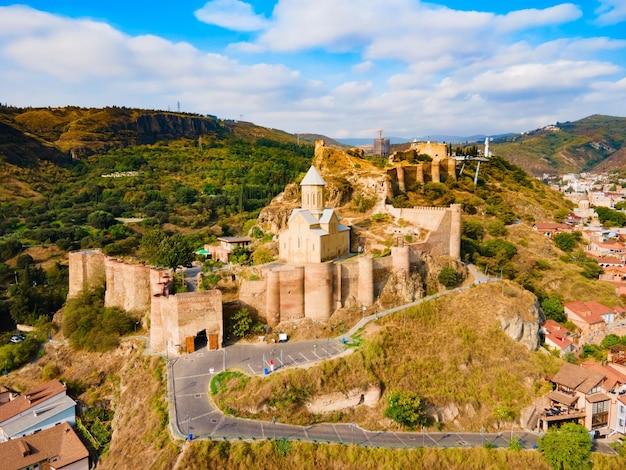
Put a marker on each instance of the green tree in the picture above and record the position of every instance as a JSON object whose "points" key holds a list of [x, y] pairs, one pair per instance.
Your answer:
{"points": [[240, 255], [150, 245], [473, 229], [240, 323], [553, 309], [175, 251], [406, 408], [565, 241], [262, 256], [567, 447], [561, 214], [504, 413], [498, 248], [448, 277], [101, 219], [610, 340], [496, 228]]}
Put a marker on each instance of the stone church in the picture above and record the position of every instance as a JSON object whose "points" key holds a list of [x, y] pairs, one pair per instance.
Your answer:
{"points": [[314, 233]]}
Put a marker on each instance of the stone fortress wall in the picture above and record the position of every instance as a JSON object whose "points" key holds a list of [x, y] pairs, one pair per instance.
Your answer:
{"points": [[285, 291], [136, 287], [317, 290]]}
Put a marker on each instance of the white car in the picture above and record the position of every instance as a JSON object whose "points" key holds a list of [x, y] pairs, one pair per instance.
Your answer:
{"points": [[18, 338]]}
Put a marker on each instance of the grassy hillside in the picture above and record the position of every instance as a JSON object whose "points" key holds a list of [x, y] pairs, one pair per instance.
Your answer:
{"points": [[596, 142], [464, 370]]}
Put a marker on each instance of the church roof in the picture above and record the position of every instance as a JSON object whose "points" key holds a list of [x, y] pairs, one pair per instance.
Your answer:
{"points": [[308, 217], [313, 178], [327, 214]]}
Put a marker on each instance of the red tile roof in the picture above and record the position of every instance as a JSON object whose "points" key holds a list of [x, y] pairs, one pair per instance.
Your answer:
{"points": [[60, 445], [556, 334], [550, 226], [30, 399], [588, 312], [613, 377], [577, 378]]}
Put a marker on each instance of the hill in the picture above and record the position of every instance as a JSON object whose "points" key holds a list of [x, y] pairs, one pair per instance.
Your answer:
{"points": [[595, 143], [204, 177]]}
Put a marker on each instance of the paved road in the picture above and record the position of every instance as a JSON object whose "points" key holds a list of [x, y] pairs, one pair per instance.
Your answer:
{"points": [[192, 412]]}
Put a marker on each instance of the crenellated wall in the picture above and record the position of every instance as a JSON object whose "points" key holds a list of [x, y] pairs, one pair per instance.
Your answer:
{"points": [[144, 289]]}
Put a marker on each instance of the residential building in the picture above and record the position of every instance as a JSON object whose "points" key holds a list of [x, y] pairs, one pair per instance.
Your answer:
{"points": [[36, 410], [549, 229], [557, 337], [612, 248], [590, 394], [590, 318], [6, 394], [56, 448], [223, 251]]}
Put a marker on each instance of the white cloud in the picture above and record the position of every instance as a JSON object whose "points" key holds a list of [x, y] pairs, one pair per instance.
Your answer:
{"points": [[533, 17], [411, 68], [611, 12], [363, 67], [231, 14]]}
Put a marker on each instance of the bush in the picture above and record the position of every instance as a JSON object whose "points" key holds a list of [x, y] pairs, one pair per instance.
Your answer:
{"points": [[262, 256], [565, 241], [406, 408], [89, 325], [101, 219], [448, 277], [553, 309], [50, 371], [240, 323], [567, 447], [496, 228]]}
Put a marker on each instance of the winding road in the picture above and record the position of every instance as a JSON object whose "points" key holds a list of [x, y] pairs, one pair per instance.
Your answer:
{"points": [[193, 415]]}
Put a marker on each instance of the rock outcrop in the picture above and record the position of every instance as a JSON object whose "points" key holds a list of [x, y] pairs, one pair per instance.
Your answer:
{"points": [[522, 329]]}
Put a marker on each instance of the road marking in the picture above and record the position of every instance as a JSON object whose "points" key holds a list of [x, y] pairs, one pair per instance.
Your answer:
{"points": [[251, 369], [305, 358], [292, 359], [315, 354], [191, 376]]}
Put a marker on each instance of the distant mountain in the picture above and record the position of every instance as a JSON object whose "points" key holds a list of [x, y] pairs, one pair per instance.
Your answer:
{"points": [[455, 139], [60, 133], [595, 143]]}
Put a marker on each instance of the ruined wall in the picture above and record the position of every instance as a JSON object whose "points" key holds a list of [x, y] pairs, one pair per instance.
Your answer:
{"points": [[403, 177], [127, 285], [173, 318], [86, 269], [443, 224], [435, 150]]}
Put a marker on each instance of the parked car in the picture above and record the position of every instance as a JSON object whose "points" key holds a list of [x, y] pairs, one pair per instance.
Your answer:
{"points": [[18, 338]]}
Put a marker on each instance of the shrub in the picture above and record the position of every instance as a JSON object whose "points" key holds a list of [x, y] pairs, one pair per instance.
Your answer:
{"points": [[240, 323], [448, 277], [553, 309], [50, 371], [565, 241], [406, 408], [567, 447], [496, 228]]}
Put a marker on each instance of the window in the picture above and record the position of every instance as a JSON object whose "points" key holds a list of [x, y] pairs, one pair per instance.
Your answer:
{"points": [[595, 389], [599, 414]]}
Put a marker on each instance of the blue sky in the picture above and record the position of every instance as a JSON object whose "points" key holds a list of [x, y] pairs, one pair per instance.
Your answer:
{"points": [[343, 68]]}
